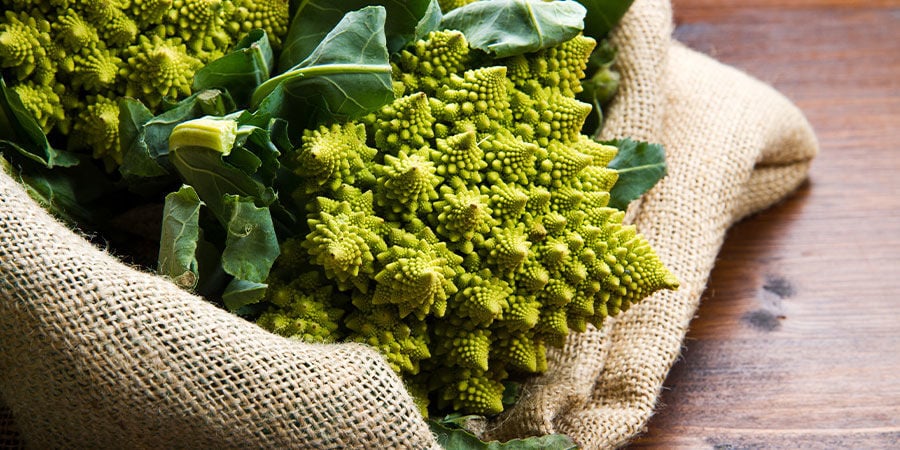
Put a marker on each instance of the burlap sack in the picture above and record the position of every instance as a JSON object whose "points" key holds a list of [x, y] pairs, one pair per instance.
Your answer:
{"points": [[94, 354], [734, 146]]}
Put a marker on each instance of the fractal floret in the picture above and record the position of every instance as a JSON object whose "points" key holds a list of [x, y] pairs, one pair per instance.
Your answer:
{"points": [[70, 61], [467, 221]]}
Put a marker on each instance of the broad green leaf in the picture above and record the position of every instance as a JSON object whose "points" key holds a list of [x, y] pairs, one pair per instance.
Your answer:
{"points": [[407, 20], [512, 27], [240, 71], [20, 132], [250, 244], [136, 158], [214, 178], [346, 76], [58, 194], [179, 237], [640, 166], [603, 15], [240, 293], [452, 438]]}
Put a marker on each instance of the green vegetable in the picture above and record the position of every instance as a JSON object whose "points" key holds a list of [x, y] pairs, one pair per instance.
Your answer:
{"points": [[407, 20], [180, 234], [450, 5], [516, 26], [347, 74], [451, 436], [69, 63], [21, 132], [420, 189], [207, 132], [640, 165], [603, 15], [240, 71], [600, 88], [466, 225]]}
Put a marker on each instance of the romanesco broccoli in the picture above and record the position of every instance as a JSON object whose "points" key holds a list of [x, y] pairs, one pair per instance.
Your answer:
{"points": [[70, 61], [467, 220]]}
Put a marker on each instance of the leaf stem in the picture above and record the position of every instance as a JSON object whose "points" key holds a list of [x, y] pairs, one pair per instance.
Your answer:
{"points": [[314, 71], [645, 166]]}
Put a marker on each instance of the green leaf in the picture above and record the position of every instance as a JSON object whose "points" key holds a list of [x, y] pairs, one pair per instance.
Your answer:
{"points": [[179, 237], [430, 21], [250, 244], [279, 134], [254, 151], [512, 27], [314, 19], [70, 193], [459, 439], [640, 165], [20, 132], [259, 142], [244, 159], [214, 179], [603, 16], [240, 71], [240, 293], [136, 158], [346, 76]]}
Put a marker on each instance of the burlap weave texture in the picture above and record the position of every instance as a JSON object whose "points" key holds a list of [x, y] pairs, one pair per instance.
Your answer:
{"points": [[95, 354]]}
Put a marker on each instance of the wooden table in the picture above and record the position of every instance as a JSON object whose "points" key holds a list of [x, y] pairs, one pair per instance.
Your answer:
{"points": [[797, 340]]}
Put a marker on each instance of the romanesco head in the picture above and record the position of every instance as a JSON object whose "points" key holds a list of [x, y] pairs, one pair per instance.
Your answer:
{"points": [[330, 156], [459, 156], [477, 98], [427, 64], [98, 127], [405, 124], [491, 209], [147, 49], [449, 5], [417, 278], [342, 244], [270, 15], [24, 44], [159, 68], [461, 213], [42, 102], [407, 183]]}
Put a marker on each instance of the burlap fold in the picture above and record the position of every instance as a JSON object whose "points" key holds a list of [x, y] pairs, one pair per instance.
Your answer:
{"points": [[95, 354]]}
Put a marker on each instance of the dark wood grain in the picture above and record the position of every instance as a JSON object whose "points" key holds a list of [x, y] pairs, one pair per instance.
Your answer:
{"points": [[797, 340]]}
